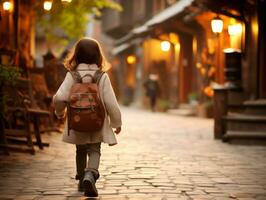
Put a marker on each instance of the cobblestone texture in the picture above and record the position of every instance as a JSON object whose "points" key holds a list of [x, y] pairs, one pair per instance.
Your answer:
{"points": [[159, 156]]}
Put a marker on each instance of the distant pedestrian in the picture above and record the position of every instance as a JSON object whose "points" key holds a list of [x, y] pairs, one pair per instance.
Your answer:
{"points": [[86, 61], [152, 90]]}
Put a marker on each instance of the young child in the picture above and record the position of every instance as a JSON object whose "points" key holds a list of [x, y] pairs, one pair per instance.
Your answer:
{"points": [[86, 59]]}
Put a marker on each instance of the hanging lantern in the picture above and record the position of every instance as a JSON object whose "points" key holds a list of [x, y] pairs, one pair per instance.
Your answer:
{"points": [[235, 29], [47, 5], [7, 5], [217, 25], [165, 46]]}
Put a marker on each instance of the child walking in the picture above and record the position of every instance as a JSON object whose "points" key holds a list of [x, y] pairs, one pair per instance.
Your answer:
{"points": [[87, 60]]}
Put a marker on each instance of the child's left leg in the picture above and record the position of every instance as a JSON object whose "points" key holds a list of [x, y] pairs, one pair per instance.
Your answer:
{"points": [[81, 160]]}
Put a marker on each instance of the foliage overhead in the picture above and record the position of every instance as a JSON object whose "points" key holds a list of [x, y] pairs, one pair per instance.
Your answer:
{"points": [[68, 21]]}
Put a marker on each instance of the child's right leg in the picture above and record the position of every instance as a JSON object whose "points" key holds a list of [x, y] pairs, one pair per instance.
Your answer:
{"points": [[81, 160]]}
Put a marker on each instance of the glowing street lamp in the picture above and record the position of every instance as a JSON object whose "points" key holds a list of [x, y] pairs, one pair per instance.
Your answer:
{"points": [[235, 29], [131, 59], [217, 25], [165, 46], [47, 5], [7, 5]]}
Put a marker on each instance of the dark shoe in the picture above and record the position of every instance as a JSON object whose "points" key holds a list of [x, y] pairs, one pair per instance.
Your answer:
{"points": [[80, 186], [79, 176], [89, 185]]}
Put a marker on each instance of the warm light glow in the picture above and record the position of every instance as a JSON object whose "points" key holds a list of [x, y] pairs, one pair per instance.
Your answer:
{"points": [[131, 59], [203, 71], [7, 5], [173, 37], [231, 50], [177, 47], [198, 65], [235, 29], [217, 25], [165, 45], [208, 91], [66, 1], [47, 5], [211, 72]]}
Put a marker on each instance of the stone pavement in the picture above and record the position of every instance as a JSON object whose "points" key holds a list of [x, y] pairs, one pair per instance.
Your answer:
{"points": [[158, 157]]}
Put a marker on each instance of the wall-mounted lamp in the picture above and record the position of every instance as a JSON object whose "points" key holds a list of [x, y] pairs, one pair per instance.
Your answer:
{"points": [[235, 29], [217, 25], [47, 5], [165, 46], [7, 5], [131, 59]]}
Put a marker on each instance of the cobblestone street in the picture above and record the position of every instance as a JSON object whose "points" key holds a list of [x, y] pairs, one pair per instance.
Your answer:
{"points": [[159, 157]]}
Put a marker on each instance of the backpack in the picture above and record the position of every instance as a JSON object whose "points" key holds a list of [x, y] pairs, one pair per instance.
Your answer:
{"points": [[85, 110]]}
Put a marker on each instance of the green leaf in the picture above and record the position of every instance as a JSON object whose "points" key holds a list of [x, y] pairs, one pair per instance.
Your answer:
{"points": [[66, 22]]}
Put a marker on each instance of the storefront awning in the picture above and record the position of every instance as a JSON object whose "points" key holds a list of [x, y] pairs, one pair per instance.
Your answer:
{"points": [[169, 12], [125, 46], [120, 48], [163, 16], [166, 14], [140, 29]]}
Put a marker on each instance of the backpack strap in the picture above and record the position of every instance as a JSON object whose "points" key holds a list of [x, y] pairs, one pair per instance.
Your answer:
{"points": [[76, 76], [95, 79], [97, 76]]}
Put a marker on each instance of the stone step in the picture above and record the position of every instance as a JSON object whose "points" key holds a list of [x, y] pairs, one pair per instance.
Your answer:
{"points": [[252, 107], [245, 122], [240, 117], [256, 103], [257, 107], [183, 110], [186, 106], [245, 137]]}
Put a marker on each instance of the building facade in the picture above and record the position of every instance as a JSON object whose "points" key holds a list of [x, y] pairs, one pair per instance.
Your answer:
{"points": [[17, 33], [197, 56]]}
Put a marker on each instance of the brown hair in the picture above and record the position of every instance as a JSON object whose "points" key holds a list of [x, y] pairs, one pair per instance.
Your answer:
{"points": [[86, 50]]}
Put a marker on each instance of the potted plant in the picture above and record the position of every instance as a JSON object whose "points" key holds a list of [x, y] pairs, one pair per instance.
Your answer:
{"points": [[163, 105], [8, 76], [205, 109]]}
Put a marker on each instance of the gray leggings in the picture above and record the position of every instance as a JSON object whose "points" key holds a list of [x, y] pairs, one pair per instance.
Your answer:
{"points": [[94, 153]]}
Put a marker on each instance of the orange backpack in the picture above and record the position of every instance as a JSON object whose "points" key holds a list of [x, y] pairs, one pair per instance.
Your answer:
{"points": [[85, 110]]}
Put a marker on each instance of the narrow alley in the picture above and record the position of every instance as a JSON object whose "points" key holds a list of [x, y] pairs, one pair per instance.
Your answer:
{"points": [[159, 156]]}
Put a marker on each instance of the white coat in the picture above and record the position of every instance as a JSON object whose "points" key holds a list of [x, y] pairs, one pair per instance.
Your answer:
{"points": [[113, 114]]}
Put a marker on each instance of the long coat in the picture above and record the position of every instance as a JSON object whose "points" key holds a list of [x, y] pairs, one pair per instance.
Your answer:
{"points": [[112, 117]]}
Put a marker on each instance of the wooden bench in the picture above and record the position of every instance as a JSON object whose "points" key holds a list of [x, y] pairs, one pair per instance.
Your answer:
{"points": [[21, 113]]}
